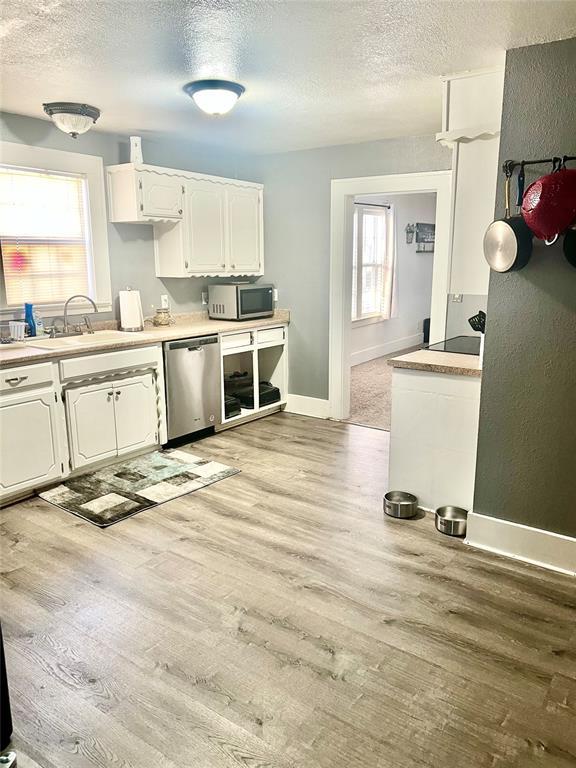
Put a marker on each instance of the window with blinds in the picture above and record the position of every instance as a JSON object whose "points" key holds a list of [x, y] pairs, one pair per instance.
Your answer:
{"points": [[45, 236], [373, 283]]}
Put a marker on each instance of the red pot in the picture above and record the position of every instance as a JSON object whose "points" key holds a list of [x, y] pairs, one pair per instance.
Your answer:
{"points": [[549, 204]]}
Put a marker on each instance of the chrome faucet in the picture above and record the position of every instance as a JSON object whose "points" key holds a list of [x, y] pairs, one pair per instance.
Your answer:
{"points": [[77, 296]]}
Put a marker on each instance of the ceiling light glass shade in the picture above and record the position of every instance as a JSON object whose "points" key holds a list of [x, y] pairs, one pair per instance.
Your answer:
{"points": [[72, 118], [215, 97]]}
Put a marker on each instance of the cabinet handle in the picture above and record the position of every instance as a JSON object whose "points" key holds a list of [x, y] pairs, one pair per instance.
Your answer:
{"points": [[186, 264], [118, 392], [233, 266], [16, 379], [223, 266], [110, 393], [180, 211]]}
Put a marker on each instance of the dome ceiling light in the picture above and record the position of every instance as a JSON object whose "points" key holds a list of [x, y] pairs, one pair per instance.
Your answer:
{"points": [[72, 118], [215, 97]]}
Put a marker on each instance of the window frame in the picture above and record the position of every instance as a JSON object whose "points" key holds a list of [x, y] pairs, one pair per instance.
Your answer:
{"points": [[91, 167], [359, 208]]}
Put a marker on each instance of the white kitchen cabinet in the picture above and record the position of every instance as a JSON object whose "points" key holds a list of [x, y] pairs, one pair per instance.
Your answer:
{"points": [[136, 414], [204, 226], [144, 193], [111, 418], [221, 234], [29, 445], [244, 206], [91, 423]]}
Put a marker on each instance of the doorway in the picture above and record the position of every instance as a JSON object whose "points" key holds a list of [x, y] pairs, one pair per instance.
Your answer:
{"points": [[392, 268], [345, 194]]}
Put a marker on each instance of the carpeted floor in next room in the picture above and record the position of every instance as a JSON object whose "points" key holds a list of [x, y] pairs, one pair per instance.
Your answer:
{"points": [[371, 392]]}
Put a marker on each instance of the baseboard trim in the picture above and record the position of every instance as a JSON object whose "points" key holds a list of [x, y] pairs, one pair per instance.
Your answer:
{"points": [[308, 406], [371, 353], [521, 542]]}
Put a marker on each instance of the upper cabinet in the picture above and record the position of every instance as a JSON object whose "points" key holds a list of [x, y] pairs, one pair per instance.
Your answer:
{"points": [[143, 193], [203, 225]]}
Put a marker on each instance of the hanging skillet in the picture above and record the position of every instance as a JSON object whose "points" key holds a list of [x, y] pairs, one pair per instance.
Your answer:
{"points": [[508, 241]]}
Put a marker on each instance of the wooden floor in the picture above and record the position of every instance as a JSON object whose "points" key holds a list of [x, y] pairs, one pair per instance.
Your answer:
{"points": [[275, 619]]}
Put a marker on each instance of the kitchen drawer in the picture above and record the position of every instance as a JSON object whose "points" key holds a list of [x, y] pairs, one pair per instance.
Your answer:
{"points": [[94, 364], [15, 379], [236, 340], [271, 335]]}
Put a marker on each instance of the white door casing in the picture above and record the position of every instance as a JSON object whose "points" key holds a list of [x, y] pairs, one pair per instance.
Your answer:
{"points": [[343, 192]]}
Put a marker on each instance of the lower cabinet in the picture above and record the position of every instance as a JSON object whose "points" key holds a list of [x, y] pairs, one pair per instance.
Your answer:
{"points": [[111, 418], [29, 449]]}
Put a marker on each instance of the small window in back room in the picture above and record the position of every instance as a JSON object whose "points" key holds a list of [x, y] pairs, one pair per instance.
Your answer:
{"points": [[373, 264], [45, 236]]}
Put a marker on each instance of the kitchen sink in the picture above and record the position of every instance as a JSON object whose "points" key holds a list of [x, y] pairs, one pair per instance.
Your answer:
{"points": [[86, 339]]}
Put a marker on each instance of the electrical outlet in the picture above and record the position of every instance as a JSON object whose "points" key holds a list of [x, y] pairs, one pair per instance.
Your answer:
{"points": [[164, 301], [457, 298], [204, 298], [276, 295]]}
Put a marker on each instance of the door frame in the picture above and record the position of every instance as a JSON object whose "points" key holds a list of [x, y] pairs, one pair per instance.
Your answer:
{"points": [[343, 192]]}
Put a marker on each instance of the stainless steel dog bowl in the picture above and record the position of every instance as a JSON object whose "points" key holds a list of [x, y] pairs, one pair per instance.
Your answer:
{"points": [[400, 504], [451, 520]]}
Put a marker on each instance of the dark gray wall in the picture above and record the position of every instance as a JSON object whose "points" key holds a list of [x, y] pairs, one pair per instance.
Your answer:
{"points": [[297, 234], [131, 245], [526, 468]]}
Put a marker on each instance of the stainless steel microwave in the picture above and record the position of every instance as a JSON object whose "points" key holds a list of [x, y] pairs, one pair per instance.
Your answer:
{"points": [[240, 301]]}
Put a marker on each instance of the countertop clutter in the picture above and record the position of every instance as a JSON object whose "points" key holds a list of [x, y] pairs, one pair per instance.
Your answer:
{"points": [[105, 339], [439, 362]]}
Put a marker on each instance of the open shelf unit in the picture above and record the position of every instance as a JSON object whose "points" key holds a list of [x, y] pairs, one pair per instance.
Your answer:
{"points": [[250, 358]]}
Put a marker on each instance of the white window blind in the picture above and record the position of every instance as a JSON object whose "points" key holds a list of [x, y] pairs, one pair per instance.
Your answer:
{"points": [[44, 232], [373, 264]]}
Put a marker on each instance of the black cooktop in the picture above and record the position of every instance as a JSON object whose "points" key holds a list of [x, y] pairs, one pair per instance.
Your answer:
{"points": [[464, 345]]}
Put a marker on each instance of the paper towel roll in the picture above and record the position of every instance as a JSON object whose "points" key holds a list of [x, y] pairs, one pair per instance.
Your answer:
{"points": [[131, 318]]}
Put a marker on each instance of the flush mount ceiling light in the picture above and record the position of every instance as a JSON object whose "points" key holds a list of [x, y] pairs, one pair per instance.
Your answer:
{"points": [[72, 118], [215, 97]]}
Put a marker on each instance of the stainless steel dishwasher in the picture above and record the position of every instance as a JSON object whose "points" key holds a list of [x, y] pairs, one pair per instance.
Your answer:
{"points": [[193, 391]]}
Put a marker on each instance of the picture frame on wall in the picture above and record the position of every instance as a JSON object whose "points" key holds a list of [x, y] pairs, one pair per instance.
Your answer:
{"points": [[425, 237]]}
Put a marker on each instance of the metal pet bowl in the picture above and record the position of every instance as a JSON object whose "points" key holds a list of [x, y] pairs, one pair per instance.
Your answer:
{"points": [[400, 504], [451, 520]]}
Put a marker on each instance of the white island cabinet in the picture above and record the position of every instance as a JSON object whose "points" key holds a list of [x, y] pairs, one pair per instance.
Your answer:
{"points": [[31, 439], [434, 430]]}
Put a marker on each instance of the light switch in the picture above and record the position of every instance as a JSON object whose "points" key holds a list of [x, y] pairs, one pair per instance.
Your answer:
{"points": [[457, 298]]}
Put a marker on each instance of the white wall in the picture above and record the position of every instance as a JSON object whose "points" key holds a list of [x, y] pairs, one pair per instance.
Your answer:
{"points": [[414, 272]]}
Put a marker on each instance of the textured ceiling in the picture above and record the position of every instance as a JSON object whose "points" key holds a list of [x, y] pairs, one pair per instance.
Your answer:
{"points": [[317, 73]]}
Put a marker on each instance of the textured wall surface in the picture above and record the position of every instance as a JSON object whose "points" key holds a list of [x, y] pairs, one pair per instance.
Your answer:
{"points": [[131, 246], [526, 468], [297, 234]]}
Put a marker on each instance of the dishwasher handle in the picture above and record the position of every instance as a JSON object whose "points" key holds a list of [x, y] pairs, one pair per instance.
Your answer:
{"points": [[192, 344]]}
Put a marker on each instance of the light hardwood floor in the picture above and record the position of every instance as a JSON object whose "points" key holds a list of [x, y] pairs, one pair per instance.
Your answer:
{"points": [[276, 619]]}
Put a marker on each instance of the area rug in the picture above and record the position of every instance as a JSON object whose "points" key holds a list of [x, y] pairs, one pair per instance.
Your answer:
{"points": [[111, 494]]}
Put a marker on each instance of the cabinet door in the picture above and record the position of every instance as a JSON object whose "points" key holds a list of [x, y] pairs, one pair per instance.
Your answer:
{"points": [[244, 230], [160, 196], [29, 454], [205, 204], [91, 426], [136, 413]]}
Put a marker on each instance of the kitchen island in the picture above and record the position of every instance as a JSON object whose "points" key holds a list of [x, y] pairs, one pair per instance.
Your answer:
{"points": [[435, 407]]}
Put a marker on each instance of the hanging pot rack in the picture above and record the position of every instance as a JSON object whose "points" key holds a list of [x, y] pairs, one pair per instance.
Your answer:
{"points": [[557, 161]]}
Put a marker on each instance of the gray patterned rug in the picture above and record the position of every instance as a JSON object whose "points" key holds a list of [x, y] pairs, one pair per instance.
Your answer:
{"points": [[111, 494]]}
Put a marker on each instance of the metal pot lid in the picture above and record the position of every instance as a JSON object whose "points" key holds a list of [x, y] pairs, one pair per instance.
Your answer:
{"points": [[500, 246]]}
